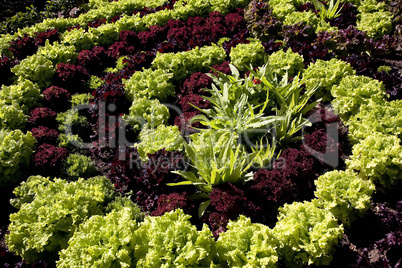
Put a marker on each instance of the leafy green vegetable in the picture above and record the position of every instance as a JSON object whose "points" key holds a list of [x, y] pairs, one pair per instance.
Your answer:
{"points": [[69, 141], [24, 93], [370, 6], [12, 116], [172, 241], [146, 113], [183, 64], [307, 234], [79, 166], [247, 244], [15, 151], [281, 8], [103, 241], [373, 117], [288, 62], [354, 91], [50, 211], [307, 18], [36, 68], [379, 158], [344, 194], [149, 84], [72, 121], [376, 24], [95, 82], [244, 55], [80, 99], [326, 74], [79, 38], [154, 139], [58, 53]]}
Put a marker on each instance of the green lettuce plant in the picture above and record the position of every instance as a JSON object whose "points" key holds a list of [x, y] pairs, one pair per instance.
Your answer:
{"points": [[12, 116], [244, 55], [49, 212], [172, 241], [147, 113], [24, 93], [95, 82], [325, 74], [281, 8], [371, 6], [306, 234], [307, 18], [379, 158], [79, 166], [80, 99], [354, 91], [71, 120], [36, 68], [58, 53], [154, 139], [375, 117], [376, 24], [286, 63], [78, 38], [183, 64], [70, 142], [149, 84], [247, 244], [105, 34], [344, 194], [104, 241], [15, 151]]}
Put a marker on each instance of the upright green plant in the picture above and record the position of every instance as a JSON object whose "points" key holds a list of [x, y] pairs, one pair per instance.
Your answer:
{"points": [[217, 158], [326, 13]]}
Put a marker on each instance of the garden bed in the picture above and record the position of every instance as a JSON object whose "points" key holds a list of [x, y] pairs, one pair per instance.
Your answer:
{"points": [[204, 134]]}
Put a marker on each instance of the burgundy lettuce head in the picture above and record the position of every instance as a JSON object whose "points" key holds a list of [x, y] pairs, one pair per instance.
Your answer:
{"points": [[43, 117], [48, 159], [56, 98]]}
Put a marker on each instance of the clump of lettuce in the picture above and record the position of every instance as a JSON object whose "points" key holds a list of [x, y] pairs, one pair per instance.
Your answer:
{"points": [[343, 193], [326, 74], [104, 241], [149, 84], [281, 8], [172, 241], [379, 158], [288, 62], [183, 64], [306, 234], [79, 166], [154, 139], [49, 212], [12, 116], [24, 93], [354, 91], [245, 55], [247, 244], [384, 118], [16, 101], [15, 151], [376, 24], [146, 113]]}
